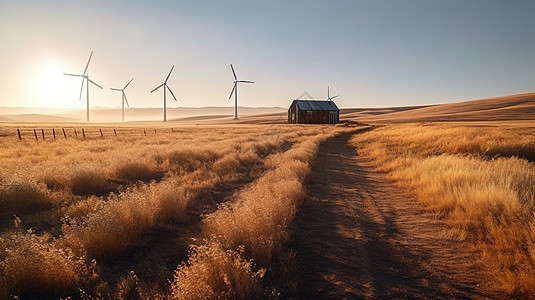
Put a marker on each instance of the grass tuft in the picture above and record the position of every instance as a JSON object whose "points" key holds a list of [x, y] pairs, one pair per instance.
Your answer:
{"points": [[88, 182], [136, 171], [215, 273], [20, 196], [33, 265]]}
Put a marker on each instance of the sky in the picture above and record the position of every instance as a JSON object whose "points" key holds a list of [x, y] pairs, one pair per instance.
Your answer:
{"points": [[374, 53]]}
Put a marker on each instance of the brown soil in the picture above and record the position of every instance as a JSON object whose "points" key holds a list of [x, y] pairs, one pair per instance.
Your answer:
{"points": [[359, 236]]}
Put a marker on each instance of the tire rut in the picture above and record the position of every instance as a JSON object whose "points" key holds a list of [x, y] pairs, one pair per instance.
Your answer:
{"points": [[358, 236]]}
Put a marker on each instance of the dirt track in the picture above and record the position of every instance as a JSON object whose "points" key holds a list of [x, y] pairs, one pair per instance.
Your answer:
{"points": [[359, 236]]}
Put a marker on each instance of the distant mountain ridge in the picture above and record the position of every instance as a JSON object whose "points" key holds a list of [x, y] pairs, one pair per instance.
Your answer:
{"points": [[105, 114], [514, 107]]}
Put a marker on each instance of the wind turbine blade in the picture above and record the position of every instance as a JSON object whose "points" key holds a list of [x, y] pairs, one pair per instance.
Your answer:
{"points": [[87, 66], [75, 75], [234, 73], [157, 87], [94, 83], [334, 97], [328, 94], [126, 100], [116, 89], [171, 92], [169, 74], [81, 89], [128, 84], [246, 81], [232, 92]]}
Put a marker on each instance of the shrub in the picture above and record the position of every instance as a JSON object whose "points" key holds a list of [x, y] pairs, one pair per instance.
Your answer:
{"points": [[136, 171], [215, 273], [19, 196], [87, 182]]}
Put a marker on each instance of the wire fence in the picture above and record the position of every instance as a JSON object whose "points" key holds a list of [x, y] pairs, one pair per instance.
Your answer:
{"points": [[53, 133]]}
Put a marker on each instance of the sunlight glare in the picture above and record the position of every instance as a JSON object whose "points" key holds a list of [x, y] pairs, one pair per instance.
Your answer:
{"points": [[48, 84]]}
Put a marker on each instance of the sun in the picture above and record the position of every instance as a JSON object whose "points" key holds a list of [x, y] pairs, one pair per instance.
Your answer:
{"points": [[48, 83]]}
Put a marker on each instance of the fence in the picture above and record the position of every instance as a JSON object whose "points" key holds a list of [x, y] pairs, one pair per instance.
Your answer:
{"points": [[83, 133]]}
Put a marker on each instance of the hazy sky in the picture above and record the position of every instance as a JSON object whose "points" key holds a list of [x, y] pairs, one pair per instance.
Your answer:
{"points": [[372, 53]]}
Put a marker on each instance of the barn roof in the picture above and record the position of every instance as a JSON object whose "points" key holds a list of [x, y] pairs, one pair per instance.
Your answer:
{"points": [[316, 105]]}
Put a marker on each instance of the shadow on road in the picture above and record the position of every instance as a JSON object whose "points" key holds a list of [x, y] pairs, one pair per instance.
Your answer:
{"points": [[358, 236]]}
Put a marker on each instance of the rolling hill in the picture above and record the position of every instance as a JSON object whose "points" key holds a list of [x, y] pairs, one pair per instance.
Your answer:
{"points": [[514, 107]]}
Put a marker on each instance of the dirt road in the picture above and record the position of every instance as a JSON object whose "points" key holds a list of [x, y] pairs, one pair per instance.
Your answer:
{"points": [[359, 236]]}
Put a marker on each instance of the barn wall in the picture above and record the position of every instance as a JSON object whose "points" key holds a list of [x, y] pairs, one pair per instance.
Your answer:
{"points": [[314, 117], [309, 117], [293, 109]]}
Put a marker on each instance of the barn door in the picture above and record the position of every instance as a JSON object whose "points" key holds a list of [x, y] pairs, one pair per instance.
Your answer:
{"points": [[332, 117]]}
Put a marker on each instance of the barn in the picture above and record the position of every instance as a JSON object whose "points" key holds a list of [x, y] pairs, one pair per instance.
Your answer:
{"points": [[313, 112]]}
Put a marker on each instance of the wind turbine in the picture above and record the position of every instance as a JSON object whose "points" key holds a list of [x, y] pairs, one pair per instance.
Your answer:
{"points": [[329, 98], [123, 99], [165, 88], [85, 76], [235, 91]]}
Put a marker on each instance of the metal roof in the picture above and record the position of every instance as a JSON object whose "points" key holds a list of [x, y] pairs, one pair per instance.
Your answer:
{"points": [[316, 105]]}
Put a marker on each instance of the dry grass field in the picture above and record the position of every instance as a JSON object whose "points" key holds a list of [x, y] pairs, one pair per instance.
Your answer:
{"points": [[188, 212], [157, 211], [479, 177]]}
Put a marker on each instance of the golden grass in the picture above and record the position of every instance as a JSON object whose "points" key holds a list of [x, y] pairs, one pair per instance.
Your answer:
{"points": [[132, 172], [109, 230], [215, 273], [89, 182], [21, 195], [251, 228], [476, 178], [96, 198], [34, 265]]}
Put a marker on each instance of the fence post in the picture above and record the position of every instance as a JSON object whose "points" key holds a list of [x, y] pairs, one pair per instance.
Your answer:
{"points": [[83, 133], [154, 130], [18, 132], [43, 133], [144, 131], [101, 135], [35, 134], [75, 133], [64, 134], [115, 132], [54, 133]]}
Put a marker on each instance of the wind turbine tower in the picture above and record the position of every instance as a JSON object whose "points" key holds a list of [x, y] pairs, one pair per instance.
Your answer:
{"points": [[123, 99], [235, 91], [85, 77], [165, 88]]}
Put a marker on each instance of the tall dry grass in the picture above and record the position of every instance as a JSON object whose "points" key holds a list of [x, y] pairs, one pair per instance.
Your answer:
{"points": [[96, 198], [20, 195], [473, 177], [213, 272], [126, 216], [32, 264], [491, 140], [249, 229]]}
